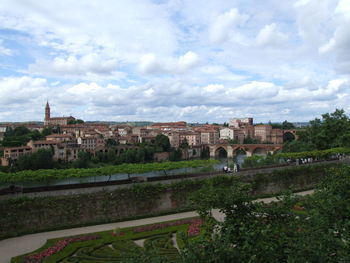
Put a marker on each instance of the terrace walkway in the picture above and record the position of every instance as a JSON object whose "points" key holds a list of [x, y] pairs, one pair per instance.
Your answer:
{"points": [[20, 245]]}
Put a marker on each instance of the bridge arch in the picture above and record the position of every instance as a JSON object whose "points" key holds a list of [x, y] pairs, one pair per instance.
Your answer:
{"points": [[221, 152], [289, 136], [259, 151], [239, 154]]}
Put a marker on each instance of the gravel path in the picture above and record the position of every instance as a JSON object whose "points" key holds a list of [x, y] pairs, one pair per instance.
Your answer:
{"points": [[20, 245]]}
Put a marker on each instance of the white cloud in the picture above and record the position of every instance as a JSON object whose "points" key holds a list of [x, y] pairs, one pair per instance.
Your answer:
{"points": [[254, 90], [71, 65], [16, 90], [224, 25], [149, 63], [341, 36], [269, 36], [122, 30], [169, 60]]}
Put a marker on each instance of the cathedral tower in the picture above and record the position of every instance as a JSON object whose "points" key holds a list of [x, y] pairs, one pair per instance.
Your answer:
{"points": [[47, 111]]}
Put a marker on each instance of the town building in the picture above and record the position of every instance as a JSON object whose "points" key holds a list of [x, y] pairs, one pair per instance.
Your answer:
{"points": [[170, 126], [54, 121], [263, 133], [191, 137], [239, 122], [13, 153]]}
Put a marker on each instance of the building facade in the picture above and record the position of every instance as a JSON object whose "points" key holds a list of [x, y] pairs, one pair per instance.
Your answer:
{"points": [[54, 121]]}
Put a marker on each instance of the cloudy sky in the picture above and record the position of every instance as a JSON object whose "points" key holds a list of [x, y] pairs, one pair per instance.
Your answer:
{"points": [[190, 60]]}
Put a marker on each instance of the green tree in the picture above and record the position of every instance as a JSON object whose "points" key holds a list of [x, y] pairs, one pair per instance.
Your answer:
{"points": [[111, 142], [42, 159], [46, 131], [205, 153], [111, 155], [76, 121], [330, 132], [184, 144], [83, 160], [175, 155], [130, 156], [249, 140], [162, 143], [287, 125]]}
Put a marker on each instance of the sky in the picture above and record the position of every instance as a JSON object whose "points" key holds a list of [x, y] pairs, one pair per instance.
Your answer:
{"points": [[189, 60]]}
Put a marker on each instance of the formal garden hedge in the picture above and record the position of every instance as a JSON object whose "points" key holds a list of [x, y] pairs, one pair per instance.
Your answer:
{"points": [[159, 239], [127, 168], [27, 215]]}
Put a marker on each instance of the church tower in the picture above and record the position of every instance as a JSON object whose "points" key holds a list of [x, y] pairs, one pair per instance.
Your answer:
{"points": [[47, 111]]}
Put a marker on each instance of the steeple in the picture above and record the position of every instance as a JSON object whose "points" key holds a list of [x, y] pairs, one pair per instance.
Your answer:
{"points": [[47, 111]]}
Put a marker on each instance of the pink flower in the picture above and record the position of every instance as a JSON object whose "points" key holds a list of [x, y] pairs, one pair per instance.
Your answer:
{"points": [[37, 258]]}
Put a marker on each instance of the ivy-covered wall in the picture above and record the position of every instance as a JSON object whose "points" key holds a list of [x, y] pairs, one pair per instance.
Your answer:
{"points": [[26, 215]]}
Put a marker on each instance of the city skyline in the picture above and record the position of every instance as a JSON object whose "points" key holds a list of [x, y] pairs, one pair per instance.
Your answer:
{"points": [[174, 60]]}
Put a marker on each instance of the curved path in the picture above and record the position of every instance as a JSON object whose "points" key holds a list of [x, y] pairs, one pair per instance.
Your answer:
{"points": [[20, 245]]}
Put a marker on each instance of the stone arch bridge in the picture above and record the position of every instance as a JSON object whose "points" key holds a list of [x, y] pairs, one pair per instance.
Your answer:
{"points": [[293, 132], [248, 149]]}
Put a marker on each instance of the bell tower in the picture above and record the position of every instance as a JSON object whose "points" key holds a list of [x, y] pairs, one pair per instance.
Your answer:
{"points": [[47, 111]]}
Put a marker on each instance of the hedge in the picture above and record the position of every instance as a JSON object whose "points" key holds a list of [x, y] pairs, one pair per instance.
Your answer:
{"points": [[314, 154], [127, 168]]}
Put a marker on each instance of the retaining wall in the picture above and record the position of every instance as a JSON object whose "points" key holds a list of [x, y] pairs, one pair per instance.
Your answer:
{"points": [[35, 214]]}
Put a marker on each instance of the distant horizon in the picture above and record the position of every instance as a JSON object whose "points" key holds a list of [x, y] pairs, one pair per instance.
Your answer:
{"points": [[294, 122]]}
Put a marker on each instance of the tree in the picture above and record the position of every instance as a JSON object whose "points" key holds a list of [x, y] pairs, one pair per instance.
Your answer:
{"points": [[83, 160], [298, 146], [287, 125], [329, 132], [76, 121], [162, 143], [36, 135], [184, 144], [46, 131], [256, 232], [233, 141], [130, 156], [111, 155], [111, 142], [175, 155], [205, 153], [20, 130], [249, 140], [141, 155], [42, 159], [19, 136]]}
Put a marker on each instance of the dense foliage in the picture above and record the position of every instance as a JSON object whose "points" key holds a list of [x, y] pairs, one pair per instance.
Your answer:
{"points": [[19, 136], [127, 168], [316, 154], [284, 125], [333, 130], [258, 161], [42, 159], [314, 230]]}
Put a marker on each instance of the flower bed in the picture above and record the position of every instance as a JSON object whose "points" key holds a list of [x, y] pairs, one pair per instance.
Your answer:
{"points": [[38, 257], [118, 244], [193, 229]]}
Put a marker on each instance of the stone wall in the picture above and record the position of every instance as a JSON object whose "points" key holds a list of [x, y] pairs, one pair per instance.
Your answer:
{"points": [[25, 214]]}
